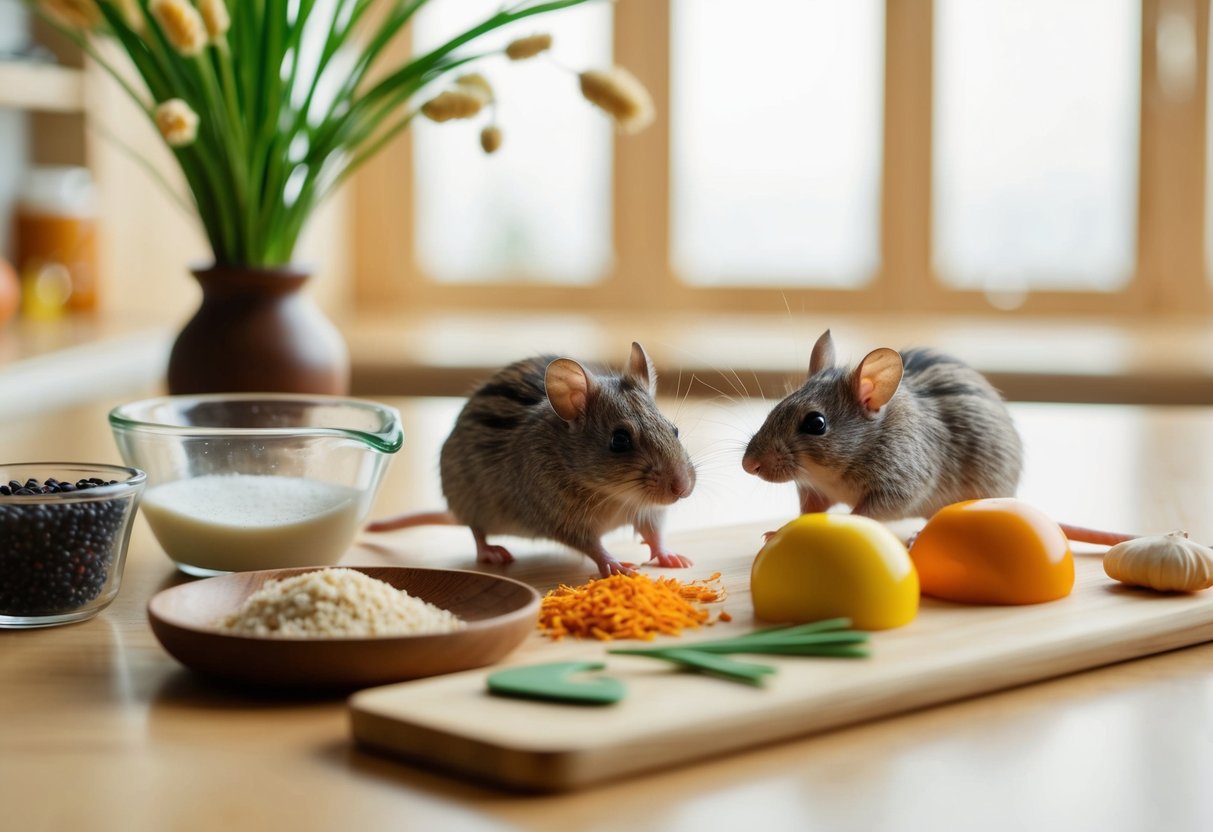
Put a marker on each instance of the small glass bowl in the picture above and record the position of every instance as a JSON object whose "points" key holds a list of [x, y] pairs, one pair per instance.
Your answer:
{"points": [[61, 554], [251, 481]]}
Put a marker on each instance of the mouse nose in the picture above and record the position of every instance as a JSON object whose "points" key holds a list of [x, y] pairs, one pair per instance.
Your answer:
{"points": [[751, 464], [682, 483]]}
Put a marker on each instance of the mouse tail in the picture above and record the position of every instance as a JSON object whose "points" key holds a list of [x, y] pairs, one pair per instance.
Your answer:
{"points": [[408, 521], [1078, 534]]}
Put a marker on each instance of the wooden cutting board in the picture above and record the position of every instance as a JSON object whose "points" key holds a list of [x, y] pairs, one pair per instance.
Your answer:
{"points": [[668, 717]]}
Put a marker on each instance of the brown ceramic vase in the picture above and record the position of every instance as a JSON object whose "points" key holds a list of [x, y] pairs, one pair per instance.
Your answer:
{"points": [[257, 332]]}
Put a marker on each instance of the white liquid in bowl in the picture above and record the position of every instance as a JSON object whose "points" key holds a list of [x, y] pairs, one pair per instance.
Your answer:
{"points": [[241, 522]]}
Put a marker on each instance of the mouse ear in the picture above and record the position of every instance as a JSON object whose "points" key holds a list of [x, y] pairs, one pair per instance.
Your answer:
{"points": [[877, 378], [569, 388], [640, 368], [823, 354]]}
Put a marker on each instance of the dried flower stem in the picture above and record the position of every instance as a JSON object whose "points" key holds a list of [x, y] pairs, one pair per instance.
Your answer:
{"points": [[490, 139], [528, 47], [477, 83], [132, 14], [621, 95], [181, 23], [177, 121], [455, 103], [142, 161], [215, 16], [277, 132]]}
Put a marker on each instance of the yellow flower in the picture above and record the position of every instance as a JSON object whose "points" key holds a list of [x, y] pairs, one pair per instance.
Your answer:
{"points": [[528, 47], [131, 14], [74, 14], [177, 121], [181, 24], [216, 17], [457, 102], [490, 138], [621, 95]]}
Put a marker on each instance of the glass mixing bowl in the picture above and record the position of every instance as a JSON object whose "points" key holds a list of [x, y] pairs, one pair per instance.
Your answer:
{"points": [[240, 482]]}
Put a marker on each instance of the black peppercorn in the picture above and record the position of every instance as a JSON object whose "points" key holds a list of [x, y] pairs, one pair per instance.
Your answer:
{"points": [[56, 557]]}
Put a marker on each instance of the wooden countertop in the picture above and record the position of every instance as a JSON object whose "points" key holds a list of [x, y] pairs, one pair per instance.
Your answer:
{"points": [[102, 730], [45, 365]]}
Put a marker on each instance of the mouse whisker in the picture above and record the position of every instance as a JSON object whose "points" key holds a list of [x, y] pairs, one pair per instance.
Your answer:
{"points": [[739, 384], [762, 395], [713, 388]]}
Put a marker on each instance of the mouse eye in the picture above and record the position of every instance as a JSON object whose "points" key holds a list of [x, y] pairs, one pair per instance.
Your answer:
{"points": [[675, 431], [621, 441], [814, 424]]}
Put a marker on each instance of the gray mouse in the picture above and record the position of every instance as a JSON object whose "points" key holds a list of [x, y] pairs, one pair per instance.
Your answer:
{"points": [[547, 448], [900, 435]]}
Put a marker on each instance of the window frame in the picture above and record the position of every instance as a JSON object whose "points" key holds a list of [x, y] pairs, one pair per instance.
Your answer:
{"points": [[1170, 275]]}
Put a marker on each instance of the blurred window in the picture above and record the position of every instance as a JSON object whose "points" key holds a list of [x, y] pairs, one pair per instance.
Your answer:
{"points": [[834, 155], [539, 208], [1036, 143], [776, 141]]}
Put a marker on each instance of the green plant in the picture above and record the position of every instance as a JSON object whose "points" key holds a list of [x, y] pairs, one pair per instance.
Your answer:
{"points": [[269, 105]]}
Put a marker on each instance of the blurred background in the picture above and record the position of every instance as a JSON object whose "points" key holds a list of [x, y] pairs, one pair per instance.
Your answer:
{"points": [[1018, 159]]}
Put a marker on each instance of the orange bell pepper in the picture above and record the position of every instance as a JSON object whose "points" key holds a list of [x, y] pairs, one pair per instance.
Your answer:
{"points": [[993, 551]]}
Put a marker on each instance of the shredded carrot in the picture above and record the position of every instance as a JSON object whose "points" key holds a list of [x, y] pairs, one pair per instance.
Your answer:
{"points": [[628, 607]]}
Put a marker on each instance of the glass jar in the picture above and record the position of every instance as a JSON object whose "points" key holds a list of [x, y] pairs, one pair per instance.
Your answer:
{"points": [[56, 240]]}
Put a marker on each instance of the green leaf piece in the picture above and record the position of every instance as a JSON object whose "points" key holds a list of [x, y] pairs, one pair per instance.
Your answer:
{"points": [[712, 664], [554, 682], [829, 638], [837, 651], [784, 644]]}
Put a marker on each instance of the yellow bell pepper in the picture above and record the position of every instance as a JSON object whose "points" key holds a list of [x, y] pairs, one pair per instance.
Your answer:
{"points": [[828, 565]]}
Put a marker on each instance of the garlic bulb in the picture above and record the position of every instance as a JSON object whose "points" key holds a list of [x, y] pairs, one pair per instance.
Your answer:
{"points": [[1168, 563]]}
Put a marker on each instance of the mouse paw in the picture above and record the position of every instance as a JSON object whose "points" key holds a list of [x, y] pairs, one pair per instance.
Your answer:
{"points": [[611, 567], [670, 560], [496, 555]]}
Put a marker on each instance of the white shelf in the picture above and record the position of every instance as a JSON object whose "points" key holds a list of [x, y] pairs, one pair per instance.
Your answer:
{"points": [[43, 87], [47, 365]]}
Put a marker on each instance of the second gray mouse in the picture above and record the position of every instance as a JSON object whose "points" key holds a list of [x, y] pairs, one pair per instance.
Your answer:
{"points": [[899, 435], [547, 448]]}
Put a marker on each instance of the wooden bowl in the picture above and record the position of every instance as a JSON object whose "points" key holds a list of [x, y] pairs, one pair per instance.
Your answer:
{"points": [[500, 612]]}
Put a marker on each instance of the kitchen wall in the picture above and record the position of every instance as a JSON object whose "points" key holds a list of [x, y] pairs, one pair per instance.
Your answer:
{"points": [[14, 124]]}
